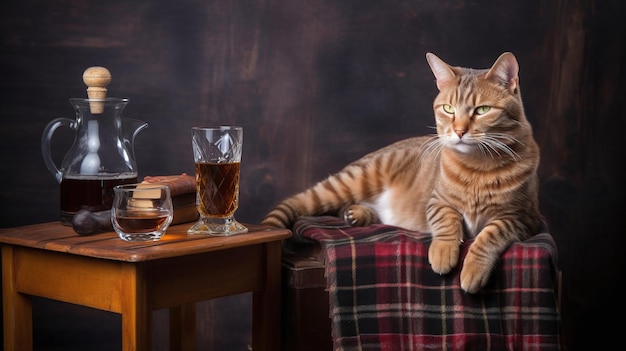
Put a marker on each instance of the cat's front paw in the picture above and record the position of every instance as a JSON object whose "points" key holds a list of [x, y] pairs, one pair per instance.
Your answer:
{"points": [[359, 216], [475, 273], [443, 255]]}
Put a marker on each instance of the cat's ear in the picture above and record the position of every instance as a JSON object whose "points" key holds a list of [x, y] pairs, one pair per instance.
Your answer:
{"points": [[506, 70], [443, 73]]}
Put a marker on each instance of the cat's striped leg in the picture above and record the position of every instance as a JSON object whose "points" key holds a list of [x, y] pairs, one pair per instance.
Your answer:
{"points": [[485, 251], [447, 230]]}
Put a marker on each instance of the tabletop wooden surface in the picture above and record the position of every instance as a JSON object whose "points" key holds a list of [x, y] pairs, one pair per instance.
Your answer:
{"points": [[176, 242]]}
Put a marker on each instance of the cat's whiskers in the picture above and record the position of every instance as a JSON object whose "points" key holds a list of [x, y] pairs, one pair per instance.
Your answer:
{"points": [[492, 142], [506, 137], [433, 145], [485, 148], [511, 139]]}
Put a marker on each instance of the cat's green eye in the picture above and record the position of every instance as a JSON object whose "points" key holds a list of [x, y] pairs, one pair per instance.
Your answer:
{"points": [[481, 110], [448, 108]]}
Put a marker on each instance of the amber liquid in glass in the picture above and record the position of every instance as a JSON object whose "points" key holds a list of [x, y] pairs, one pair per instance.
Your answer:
{"points": [[140, 221], [218, 188]]}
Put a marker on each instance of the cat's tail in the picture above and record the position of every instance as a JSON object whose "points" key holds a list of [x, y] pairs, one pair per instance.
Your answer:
{"points": [[283, 215], [308, 203]]}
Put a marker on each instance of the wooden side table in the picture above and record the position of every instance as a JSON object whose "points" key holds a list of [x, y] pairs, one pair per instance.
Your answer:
{"points": [[133, 279]]}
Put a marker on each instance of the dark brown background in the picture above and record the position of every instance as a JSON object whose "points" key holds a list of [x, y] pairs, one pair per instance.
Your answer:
{"points": [[316, 84]]}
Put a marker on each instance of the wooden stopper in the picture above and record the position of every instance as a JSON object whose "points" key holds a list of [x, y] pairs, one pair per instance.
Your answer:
{"points": [[97, 79]]}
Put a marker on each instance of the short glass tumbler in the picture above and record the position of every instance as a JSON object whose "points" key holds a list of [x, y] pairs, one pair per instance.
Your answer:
{"points": [[141, 212]]}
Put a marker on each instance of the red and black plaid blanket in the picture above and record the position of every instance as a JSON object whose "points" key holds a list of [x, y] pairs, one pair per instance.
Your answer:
{"points": [[384, 295]]}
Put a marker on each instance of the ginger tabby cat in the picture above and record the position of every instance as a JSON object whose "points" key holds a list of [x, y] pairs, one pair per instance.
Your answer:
{"points": [[477, 177]]}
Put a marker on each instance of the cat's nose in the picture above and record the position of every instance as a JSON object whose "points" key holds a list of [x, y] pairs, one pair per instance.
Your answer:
{"points": [[460, 132]]}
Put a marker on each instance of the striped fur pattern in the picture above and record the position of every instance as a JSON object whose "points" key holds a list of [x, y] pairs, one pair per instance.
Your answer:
{"points": [[477, 176]]}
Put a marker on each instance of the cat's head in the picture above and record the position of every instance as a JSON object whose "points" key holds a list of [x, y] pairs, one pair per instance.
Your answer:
{"points": [[479, 110]]}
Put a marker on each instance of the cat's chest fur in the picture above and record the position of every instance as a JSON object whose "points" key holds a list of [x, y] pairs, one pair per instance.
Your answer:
{"points": [[477, 193], [395, 205]]}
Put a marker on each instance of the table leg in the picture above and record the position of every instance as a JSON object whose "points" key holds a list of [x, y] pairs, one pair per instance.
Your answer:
{"points": [[17, 307], [266, 303], [183, 327], [136, 314]]}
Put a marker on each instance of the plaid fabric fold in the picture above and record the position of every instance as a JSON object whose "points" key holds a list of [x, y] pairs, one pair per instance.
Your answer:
{"points": [[384, 295]]}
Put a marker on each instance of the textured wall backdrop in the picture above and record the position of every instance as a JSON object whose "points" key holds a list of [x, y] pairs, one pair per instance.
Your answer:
{"points": [[316, 84]]}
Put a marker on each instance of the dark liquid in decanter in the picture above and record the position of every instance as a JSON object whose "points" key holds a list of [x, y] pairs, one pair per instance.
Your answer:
{"points": [[90, 193]]}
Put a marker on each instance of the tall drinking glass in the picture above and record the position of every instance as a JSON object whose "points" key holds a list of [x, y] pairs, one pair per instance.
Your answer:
{"points": [[217, 154]]}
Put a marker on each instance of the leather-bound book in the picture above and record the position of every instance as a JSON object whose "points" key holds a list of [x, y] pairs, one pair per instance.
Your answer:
{"points": [[183, 192]]}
